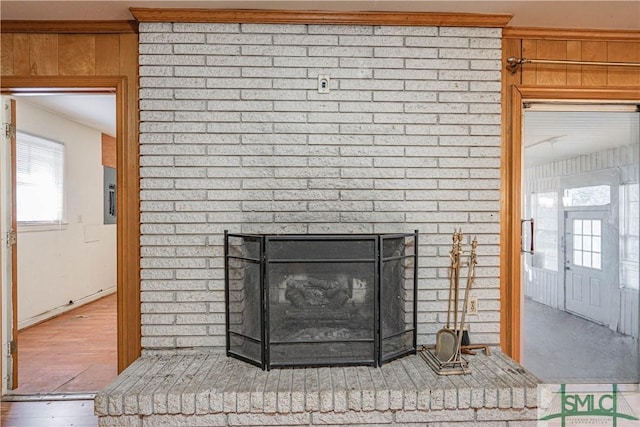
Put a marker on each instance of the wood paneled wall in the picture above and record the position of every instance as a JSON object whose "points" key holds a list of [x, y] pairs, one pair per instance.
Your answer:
{"points": [[580, 75], [48, 59], [557, 82], [65, 54], [593, 48]]}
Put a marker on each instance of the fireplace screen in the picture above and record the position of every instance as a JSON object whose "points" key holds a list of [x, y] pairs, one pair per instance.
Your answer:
{"points": [[319, 300]]}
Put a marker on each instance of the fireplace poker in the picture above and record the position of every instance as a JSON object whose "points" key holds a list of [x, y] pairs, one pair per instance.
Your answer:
{"points": [[456, 289], [470, 279]]}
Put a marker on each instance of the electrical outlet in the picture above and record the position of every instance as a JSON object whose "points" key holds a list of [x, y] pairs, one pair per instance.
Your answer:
{"points": [[472, 308], [323, 83]]}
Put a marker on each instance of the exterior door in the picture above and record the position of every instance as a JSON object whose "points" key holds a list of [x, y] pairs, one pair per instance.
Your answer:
{"points": [[590, 256]]}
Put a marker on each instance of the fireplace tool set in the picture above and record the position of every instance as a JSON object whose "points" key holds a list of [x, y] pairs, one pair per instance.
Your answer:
{"points": [[446, 357]]}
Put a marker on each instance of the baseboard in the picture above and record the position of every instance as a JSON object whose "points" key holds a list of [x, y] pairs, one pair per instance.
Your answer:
{"points": [[42, 317]]}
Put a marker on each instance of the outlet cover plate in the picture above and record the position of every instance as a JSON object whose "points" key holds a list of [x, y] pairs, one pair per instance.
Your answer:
{"points": [[324, 82]]}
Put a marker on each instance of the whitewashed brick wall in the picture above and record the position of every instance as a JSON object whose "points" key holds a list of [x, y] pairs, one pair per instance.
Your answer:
{"points": [[235, 136]]}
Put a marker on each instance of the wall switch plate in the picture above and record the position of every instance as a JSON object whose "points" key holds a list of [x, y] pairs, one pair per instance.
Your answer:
{"points": [[323, 83], [472, 308]]}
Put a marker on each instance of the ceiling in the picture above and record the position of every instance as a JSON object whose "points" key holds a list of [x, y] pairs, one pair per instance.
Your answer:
{"points": [[599, 14], [578, 130], [97, 111]]}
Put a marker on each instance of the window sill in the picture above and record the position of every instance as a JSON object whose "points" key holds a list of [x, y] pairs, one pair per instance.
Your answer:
{"points": [[36, 227]]}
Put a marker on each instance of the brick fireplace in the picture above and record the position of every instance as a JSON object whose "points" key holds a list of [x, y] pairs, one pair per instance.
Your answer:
{"points": [[235, 135]]}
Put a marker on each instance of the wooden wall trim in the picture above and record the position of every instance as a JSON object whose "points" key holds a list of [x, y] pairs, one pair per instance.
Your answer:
{"points": [[60, 84], [535, 93], [510, 312], [70, 27], [569, 34], [320, 17]]}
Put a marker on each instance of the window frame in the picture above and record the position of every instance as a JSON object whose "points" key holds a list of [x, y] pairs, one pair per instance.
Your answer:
{"points": [[629, 263]]}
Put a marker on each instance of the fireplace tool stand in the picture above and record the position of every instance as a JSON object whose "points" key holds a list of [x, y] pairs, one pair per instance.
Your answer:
{"points": [[445, 358]]}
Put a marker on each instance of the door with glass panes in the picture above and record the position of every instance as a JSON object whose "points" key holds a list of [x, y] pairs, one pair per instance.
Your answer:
{"points": [[590, 254]]}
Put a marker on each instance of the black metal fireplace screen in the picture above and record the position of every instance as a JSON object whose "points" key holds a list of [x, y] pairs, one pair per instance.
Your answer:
{"points": [[320, 300]]}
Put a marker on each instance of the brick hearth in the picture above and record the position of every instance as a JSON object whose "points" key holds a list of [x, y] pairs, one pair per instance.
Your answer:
{"points": [[213, 390]]}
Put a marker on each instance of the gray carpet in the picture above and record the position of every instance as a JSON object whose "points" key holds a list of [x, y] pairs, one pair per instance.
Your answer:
{"points": [[562, 348]]}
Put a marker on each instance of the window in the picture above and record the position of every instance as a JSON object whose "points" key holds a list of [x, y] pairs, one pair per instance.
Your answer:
{"points": [[40, 179], [587, 243], [597, 195], [545, 213], [629, 235]]}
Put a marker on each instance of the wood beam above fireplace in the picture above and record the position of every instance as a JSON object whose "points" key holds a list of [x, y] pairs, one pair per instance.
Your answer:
{"points": [[320, 17]]}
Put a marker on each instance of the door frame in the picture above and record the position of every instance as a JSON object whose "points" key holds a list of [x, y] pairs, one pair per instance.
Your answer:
{"points": [[511, 294], [128, 195]]}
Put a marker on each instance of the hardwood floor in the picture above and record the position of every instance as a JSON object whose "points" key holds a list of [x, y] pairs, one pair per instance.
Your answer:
{"points": [[76, 413], [72, 353]]}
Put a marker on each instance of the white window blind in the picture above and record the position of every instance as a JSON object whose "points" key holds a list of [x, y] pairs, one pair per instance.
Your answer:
{"points": [[40, 179]]}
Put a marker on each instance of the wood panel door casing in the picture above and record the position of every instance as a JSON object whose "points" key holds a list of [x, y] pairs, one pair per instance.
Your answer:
{"points": [[94, 63]]}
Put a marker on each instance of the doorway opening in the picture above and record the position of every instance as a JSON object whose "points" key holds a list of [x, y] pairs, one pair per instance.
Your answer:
{"points": [[127, 327], [127, 208], [66, 307], [580, 279]]}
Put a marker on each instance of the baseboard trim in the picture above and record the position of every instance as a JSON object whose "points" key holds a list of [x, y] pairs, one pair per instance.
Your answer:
{"points": [[55, 312], [46, 397]]}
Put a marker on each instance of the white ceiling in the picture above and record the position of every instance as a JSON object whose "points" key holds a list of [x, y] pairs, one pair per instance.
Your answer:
{"points": [[600, 14], [97, 111], [559, 135]]}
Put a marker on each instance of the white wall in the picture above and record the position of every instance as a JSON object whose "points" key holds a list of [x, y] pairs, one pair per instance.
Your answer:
{"points": [[76, 261]]}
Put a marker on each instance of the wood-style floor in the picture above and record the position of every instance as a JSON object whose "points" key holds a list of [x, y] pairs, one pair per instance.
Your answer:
{"points": [[76, 413], [72, 353]]}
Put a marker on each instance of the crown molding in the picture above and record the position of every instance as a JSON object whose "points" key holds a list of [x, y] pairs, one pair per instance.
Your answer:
{"points": [[320, 17], [569, 34]]}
